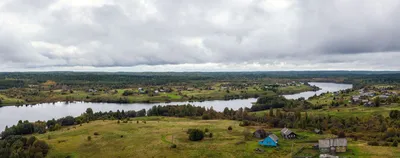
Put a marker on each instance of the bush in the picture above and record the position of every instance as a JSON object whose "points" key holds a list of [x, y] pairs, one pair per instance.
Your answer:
{"points": [[89, 138], [31, 140], [118, 122], [395, 143], [230, 128], [173, 146], [206, 130], [244, 123], [247, 134], [211, 135], [41, 146], [96, 133], [342, 134], [333, 131], [196, 135], [205, 117]]}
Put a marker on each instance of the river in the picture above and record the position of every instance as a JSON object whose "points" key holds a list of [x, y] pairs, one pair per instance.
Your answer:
{"points": [[9, 115]]}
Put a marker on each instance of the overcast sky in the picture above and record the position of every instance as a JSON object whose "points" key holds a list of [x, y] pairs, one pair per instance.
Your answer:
{"points": [[199, 35]]}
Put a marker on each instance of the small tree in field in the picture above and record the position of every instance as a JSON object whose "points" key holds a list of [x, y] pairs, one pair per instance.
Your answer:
{"points": [[230, 128], [246, 134], [196, 135], [395, 143]]}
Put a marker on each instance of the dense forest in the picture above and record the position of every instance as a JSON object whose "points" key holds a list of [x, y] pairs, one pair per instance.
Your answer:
{"points": [[126, 79]]}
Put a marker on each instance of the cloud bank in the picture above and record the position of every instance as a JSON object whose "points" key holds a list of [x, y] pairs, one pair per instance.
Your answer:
{"points": [[206, 35]]}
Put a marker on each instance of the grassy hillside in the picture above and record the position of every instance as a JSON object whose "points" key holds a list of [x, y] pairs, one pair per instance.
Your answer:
{"points": [[154, 138]]}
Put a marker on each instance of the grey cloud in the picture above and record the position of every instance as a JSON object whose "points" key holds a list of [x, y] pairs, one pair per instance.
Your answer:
{"points": [[361, 26], [129, 33]]}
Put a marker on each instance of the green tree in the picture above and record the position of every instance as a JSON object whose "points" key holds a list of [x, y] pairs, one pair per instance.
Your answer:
{"points": [[89, 111], [377, 101], [196, 135], [395, 143], [246, 134]]}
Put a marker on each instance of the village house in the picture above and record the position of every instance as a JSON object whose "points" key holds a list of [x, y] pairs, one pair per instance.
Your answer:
{"points": [[335, 145], [369, 104], [91, 90], [141, 90], [383, 96], [271, 140], [288, 134], [367, 94], [33, 86], [356, 99], [327, 156], [65, 88], [190, 89]]}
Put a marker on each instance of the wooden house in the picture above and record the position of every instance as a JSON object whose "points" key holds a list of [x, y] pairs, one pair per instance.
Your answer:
{"points": [[336, 145], [288, 134]]}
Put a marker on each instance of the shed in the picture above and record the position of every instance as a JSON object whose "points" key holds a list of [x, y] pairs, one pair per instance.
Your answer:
{"points": [[288, 134], [271, 140], [332, 145], [260, 133]]}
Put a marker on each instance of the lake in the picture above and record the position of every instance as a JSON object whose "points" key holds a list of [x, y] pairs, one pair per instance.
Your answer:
{"points": [[10, 115]]}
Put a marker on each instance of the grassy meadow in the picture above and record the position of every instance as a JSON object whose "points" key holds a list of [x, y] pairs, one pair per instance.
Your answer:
{"points": [[154, 139]]}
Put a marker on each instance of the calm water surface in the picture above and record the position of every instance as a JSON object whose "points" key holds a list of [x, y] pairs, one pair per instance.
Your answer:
{"points": [[10, 115]]}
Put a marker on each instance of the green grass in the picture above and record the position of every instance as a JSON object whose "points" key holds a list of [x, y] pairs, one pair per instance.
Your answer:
{"points": [[294, 89], [355, 110], [154, 139], [173, 96], [10, 101]]}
